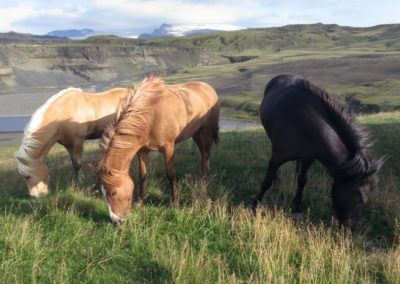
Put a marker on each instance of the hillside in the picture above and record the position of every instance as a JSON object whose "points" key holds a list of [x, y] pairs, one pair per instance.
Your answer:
{"points": [[36, 66], [13, 37], [316, 36], [359, 64]]}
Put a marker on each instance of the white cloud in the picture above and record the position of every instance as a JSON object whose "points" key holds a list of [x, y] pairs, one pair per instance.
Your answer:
{"points": [[174, 11], [10, 15], [113, 16]]}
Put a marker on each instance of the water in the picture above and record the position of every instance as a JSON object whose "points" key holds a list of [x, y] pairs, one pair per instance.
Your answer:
{"points": [[229, 125], [18, 123], [13, 123]]}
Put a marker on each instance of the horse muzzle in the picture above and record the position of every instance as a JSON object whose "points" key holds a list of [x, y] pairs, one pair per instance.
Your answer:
{"points": [[39, 190]]}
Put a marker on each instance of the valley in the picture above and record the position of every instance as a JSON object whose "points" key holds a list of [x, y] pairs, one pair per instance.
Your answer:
{"points": [[361, 65]]}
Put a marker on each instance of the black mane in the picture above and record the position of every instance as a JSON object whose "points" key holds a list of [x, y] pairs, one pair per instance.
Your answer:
{"points": [[305, 123], [354, 136]]}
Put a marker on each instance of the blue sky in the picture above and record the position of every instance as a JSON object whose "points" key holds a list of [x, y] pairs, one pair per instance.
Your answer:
{"points": [[118, 16]]}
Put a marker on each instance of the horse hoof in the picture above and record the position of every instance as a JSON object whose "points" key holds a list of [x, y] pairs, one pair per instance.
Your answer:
{"points": [[175, 204]]}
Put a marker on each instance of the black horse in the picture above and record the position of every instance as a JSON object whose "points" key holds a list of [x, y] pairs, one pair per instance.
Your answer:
{"points": [[305, 124]]}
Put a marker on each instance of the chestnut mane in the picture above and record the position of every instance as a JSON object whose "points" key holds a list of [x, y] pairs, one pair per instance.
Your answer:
{"points": [[131, 117]]}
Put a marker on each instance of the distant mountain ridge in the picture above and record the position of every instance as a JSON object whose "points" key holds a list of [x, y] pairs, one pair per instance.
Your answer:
{"points": [[72, 34], [167, 30], [13, 37]]}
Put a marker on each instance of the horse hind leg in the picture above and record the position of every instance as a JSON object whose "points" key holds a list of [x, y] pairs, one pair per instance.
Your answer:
{"points": [[204, 140], [302, 168], [169, 157], [75, 151]]}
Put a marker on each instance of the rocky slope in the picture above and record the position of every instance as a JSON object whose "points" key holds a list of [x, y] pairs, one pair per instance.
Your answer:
{"points": [[30, 65]]}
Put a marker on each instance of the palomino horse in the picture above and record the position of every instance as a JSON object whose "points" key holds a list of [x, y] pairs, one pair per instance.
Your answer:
{"points": [[155, 117], [305, 124], [69, 118]]}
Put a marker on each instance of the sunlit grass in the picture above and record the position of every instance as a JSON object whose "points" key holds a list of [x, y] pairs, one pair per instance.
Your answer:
{"points": [[211, 236]]}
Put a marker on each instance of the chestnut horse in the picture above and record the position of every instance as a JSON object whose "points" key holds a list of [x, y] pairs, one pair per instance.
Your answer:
{"points": [[68, 118], [305, 124], [155, 117]]}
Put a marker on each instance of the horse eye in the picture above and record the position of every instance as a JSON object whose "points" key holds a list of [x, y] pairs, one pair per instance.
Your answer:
{"points": [[113, 193], [27, 177]]}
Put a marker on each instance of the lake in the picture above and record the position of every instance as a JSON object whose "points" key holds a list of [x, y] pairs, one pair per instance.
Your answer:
{"points": [[18, 123]]}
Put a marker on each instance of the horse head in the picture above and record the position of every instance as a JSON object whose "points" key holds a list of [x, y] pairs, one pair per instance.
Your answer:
{"points": [[36, 175], [350, 195], [117, 188]]}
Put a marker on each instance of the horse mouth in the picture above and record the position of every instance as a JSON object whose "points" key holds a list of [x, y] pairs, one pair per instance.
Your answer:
{"points": [[39, 191], [39, 194]]}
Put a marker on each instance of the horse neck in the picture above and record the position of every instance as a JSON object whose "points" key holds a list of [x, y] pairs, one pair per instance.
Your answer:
{"points": [[45, 138], [121, 152]]}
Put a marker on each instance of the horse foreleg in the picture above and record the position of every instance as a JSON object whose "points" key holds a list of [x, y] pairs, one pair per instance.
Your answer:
{"points": [[142, 175], [301, 172], [75, 152], [168, 152], [273, 167]]}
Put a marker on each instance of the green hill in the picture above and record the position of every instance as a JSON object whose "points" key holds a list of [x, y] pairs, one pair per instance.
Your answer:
{"points": [[359, 64], [315, 36]]}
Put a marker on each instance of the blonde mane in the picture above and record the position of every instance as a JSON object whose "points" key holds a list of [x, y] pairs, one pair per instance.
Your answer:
{"points": [[131, 116], [30, 140]]}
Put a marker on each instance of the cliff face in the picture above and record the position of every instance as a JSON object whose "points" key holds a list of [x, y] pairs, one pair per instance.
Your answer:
{"points": [[44, 65]]}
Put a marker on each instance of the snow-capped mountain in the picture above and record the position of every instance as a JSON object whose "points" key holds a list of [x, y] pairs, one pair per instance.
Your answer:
{"points": [[184, 30], [73, 34]]}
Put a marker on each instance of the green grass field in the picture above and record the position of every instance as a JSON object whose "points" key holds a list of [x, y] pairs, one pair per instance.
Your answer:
{"points": [[211, 236]]}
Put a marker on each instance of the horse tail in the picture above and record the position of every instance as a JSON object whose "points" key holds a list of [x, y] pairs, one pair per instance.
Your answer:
{"points": [[215, 136]]}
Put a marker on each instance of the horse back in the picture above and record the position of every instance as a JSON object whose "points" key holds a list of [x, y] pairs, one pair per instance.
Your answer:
{"points": [[183, 109], [299, 123], [85, 115]]}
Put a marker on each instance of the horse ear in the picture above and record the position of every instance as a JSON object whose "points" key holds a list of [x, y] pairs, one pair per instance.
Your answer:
{"points": [[372, 175]]}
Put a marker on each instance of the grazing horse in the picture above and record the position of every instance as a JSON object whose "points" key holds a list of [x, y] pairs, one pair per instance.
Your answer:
{"points": [[305, 124], [68, 118], [154, 118]]}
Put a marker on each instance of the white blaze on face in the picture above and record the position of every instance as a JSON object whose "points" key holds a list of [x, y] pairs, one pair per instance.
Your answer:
{"points": [[113, 216]]}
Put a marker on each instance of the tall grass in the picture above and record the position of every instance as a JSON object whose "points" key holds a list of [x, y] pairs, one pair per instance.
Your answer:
{"points": [[211, 236]]}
